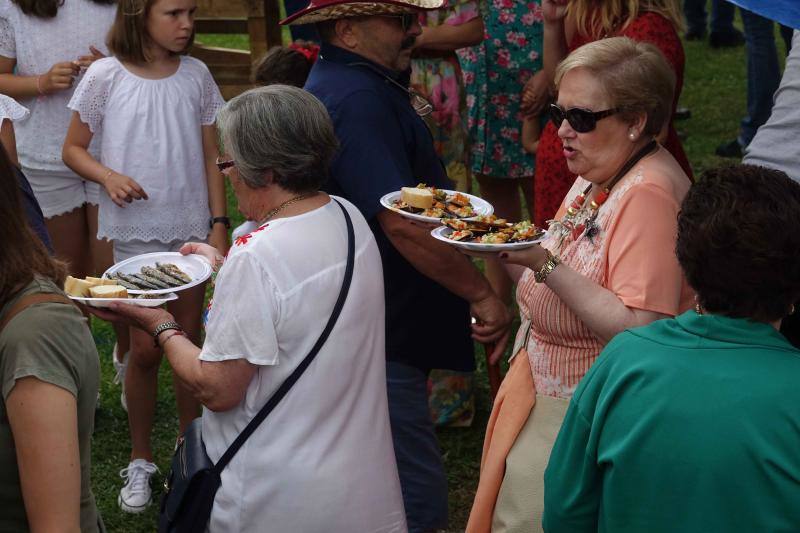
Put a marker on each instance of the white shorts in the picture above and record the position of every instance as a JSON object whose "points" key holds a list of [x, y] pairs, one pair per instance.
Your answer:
{"points": [[126, 249], [59, 192]]}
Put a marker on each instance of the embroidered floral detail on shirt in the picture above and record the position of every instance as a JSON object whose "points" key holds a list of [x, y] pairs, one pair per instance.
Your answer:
{"points": [[242, 239]]}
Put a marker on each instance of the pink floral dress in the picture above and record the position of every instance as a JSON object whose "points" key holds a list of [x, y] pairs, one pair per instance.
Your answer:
{"points": [[494, 74], [439, 79]]}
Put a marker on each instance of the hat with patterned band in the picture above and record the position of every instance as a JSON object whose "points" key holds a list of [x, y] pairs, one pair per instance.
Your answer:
{"points": [[319, 10]]}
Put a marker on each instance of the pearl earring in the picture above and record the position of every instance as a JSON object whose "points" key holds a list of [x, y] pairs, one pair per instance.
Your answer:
{"points": [[631, 135]]}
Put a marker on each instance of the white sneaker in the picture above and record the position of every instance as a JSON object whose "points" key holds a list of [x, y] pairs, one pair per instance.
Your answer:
{"points": [[119, 377], [135, 495]]}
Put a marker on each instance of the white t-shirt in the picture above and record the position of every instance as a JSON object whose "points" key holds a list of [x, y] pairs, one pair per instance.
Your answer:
{"points": [[38, 44], [151, 131], [323, 460]]}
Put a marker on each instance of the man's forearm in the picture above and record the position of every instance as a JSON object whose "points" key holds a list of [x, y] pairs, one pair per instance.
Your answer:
{"points": [[436, 260]]}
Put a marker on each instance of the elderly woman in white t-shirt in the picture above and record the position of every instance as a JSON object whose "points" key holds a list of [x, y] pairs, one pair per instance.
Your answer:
{"points": [[323, 459]]}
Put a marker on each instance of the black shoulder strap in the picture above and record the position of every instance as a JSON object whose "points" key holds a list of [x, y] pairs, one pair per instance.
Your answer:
{"points": [[294, 376]]}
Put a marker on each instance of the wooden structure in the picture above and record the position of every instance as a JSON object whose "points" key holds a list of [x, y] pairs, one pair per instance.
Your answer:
{"points": [[256, 18]]}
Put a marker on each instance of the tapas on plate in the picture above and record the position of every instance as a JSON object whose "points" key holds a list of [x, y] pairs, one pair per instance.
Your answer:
{"points": [[489, 234], [430, 204]]}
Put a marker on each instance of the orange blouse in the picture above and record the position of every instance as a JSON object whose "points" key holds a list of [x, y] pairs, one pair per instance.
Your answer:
{"points": [[632, 255]]}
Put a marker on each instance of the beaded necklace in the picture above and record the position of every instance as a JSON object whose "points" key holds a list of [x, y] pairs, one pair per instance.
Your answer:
{"points": [[580, 218]]}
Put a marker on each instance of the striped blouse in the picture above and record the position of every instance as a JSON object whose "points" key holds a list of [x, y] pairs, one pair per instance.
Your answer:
{"points": [[632, 255]]}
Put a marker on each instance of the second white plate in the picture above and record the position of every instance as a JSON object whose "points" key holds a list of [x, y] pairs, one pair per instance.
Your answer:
{"points": [[442, 233]]}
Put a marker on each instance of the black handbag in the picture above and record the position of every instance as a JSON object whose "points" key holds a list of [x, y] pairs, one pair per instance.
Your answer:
{"points": [[193, 480]]}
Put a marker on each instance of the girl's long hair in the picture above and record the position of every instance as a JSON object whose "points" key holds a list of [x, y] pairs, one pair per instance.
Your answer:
{"points": [[601, 18], [22, 255], [48, 9]]}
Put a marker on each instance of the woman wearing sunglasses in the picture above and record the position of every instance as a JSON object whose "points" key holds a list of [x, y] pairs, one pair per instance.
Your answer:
{"points": [[607, 264], [569, 24]]}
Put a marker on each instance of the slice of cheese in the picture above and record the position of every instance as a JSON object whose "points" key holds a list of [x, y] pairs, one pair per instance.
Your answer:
{"points": [[419, 198], [100, 281], [108, 291], [77, 287]]}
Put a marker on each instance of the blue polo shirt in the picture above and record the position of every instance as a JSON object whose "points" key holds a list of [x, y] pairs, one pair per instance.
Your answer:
{"points": [[384, 146]]}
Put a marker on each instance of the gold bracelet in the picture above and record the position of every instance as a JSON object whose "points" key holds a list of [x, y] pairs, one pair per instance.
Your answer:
{"points": [[552, 262]]}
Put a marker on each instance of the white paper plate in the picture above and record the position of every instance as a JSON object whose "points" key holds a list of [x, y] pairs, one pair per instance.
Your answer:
{"points": [[141, 302], [481, 206], [195, 266], [442, 232]]}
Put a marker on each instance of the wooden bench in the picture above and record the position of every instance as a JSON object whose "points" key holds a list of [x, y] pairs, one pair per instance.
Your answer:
{"points": [[256, 18]]}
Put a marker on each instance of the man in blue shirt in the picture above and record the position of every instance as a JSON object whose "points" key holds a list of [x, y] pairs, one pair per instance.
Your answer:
{"points": [[432, 290]]}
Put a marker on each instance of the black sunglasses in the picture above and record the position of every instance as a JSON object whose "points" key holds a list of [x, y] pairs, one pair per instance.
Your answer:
{"points": [[581, 120], [406, 19]]}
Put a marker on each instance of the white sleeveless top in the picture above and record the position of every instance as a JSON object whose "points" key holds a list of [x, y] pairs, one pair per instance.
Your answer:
{"points": [[38, 44], [151, 131]]}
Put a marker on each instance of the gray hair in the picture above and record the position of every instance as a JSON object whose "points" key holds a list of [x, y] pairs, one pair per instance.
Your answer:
{"points": [[282, 129]]}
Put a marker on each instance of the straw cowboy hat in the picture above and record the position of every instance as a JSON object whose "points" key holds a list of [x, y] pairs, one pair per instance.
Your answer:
{"points": [[319, 10]]}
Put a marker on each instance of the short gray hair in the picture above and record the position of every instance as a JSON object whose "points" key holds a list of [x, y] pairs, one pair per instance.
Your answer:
{"points": [[282, 129]]}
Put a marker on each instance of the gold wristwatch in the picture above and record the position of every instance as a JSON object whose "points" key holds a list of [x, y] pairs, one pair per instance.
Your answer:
{"points": [[552, 262]]}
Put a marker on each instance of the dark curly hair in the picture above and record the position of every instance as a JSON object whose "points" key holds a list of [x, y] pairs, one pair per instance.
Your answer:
{"points": [[739, 242]]}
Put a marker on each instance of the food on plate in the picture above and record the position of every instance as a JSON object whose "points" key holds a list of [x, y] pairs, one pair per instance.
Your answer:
{"points": [[174, 271], [455, 223], [434, 203], [461, 235], [492, 220], [460, 211], [433, 212], [100, 281], [93, 288], [151, 278], [108, 291], [77, 287], [418, 198], [495, 238], [492, 230], [459, 199]]}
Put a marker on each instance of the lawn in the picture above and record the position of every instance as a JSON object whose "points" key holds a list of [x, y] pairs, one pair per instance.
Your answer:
{"points": [[714, 90]]}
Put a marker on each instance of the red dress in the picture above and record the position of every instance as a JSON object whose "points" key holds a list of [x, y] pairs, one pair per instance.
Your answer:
{"points": [[553, 179]]}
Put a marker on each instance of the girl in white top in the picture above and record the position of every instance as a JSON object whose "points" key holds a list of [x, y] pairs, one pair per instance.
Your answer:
{"points": [[44, 44], [154, 110]]}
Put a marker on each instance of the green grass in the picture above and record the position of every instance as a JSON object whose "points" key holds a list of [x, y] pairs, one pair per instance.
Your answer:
{"points": [[714, 89]]}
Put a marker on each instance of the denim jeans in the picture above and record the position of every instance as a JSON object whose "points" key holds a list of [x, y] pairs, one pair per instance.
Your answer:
{"points": [[721, 16], [763, 73], [419, 461]]}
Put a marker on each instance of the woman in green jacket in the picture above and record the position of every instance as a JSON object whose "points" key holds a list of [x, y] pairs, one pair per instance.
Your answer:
{"points": [[692, 424]]}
